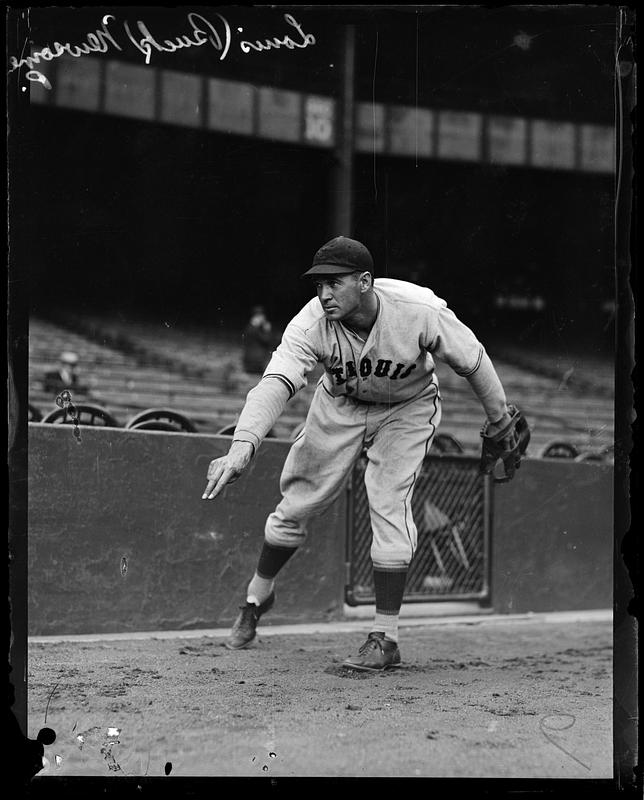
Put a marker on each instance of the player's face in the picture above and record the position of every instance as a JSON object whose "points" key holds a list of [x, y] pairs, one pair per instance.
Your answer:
{"points": [[339, 295]]}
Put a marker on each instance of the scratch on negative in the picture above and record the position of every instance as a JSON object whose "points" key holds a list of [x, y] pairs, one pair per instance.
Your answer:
{"points": [[373, 106]]}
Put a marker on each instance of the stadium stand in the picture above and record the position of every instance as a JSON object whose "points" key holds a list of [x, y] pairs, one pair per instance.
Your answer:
{"points": [[134, 367], [161, 419], [83, 414]]}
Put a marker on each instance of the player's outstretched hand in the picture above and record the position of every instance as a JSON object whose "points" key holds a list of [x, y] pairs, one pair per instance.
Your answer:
{"points": [[227, 469]]}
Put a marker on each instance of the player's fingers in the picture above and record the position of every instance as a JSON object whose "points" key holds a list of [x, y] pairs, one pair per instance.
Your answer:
{"points": [[215, 468], [510, 466], [209, 487], [214, 472], [487, 464], [225, 478]]}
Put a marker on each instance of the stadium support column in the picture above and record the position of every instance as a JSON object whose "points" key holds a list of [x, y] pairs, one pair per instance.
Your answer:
{"points": [[342, 178]]}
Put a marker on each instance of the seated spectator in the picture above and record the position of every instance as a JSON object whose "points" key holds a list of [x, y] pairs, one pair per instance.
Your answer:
{"points": [[258, 341], [65, 376]]}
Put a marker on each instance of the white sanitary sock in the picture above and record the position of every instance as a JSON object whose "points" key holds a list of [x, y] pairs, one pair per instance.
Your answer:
{"points": [[387, 623], [259, 589]]}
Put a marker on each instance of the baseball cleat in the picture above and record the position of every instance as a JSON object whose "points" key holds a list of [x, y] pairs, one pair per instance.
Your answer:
{"points": [[243, 631], [376, 654]]}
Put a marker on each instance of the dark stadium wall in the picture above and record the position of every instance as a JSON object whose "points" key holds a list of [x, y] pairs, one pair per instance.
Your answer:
{"points": [[474, 233], [552, 545], [185, 224], [180, 225], [120, 540], [193, 226]]}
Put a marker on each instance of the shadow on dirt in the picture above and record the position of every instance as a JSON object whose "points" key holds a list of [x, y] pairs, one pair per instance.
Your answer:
{"points": [[357, 674]]}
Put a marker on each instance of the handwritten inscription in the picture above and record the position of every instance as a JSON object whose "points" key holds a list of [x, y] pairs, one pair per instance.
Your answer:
{"points": [[559, 723], [202, 32], [217, 34], [98, 42], [275, 43]]}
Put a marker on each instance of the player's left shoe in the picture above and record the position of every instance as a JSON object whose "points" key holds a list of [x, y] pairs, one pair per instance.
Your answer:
{"points": [[376, 654], [245, 627]]}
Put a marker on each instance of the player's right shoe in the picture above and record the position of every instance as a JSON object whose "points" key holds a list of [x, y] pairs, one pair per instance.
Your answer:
{"points": [[376, 654], [243, 631]]}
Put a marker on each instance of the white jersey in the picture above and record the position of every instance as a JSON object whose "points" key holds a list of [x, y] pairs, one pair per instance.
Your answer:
{"points": [[396, 361]]}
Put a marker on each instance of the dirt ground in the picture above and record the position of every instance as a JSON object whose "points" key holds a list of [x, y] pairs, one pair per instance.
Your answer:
{"points": [[529, 699]]}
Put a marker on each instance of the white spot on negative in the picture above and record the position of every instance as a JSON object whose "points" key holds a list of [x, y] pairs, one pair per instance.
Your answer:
{"points": [[522, 40], [113, 731]]}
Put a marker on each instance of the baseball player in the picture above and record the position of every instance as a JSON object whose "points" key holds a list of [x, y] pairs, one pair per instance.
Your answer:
{"points": [[377, 340]]}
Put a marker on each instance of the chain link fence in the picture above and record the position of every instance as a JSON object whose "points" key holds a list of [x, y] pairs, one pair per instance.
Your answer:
{"points": [[451, 508]]}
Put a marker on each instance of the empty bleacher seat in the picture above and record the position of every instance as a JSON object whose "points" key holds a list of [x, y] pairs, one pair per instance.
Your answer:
{"points": [[559, 449], [86, 414], [446, 443], [34, 414], [602, 455], [161, 419]]}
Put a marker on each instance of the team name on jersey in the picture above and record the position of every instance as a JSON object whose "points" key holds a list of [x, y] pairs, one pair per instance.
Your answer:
{"points": [[383, 369]]}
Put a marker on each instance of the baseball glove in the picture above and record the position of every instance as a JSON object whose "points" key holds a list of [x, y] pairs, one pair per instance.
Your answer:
{"points": [[507, 446]]}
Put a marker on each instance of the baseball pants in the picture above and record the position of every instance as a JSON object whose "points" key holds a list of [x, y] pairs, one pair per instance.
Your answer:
{"points": [[397, 437]]}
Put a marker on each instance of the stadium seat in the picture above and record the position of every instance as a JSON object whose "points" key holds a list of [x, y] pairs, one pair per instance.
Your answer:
{"points": [[559, 449], [161, 419], [86, 414], [446, 443], [590, 456], [603, 455]]}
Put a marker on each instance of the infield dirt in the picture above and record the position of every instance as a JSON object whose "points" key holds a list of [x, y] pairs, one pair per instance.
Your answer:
{"points": [[522, 699]]}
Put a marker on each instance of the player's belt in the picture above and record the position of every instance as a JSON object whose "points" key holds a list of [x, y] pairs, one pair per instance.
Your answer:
{"points": [[361, 402]]}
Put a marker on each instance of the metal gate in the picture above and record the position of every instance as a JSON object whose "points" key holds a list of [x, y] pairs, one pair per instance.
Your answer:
{"points": [[451, 506]]}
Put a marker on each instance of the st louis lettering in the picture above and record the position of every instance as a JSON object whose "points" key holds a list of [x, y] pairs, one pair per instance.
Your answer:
{"points": [[365, 368], [382, 368], [398, 374], [337, 373]]}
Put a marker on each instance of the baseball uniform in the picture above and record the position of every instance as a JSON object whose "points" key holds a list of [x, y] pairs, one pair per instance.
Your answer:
{"points": [[380, 393]]}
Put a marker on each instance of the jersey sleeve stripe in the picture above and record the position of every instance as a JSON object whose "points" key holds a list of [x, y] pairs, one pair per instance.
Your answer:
{"points": [[289, 384], [475, 367]]}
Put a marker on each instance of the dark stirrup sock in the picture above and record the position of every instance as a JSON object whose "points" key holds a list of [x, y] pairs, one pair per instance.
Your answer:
{"points": [[272, 558], [271, 561], [389, 586]]}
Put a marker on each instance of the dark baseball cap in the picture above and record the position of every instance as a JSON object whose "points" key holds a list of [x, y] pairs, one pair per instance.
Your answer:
{"points": [[341, 256]]}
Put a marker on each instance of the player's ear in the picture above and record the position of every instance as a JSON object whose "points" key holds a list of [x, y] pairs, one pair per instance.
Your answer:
{"points": [[366, 281]]}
